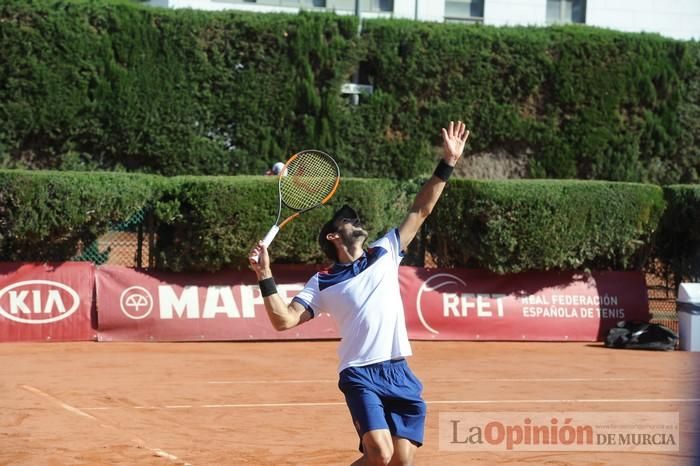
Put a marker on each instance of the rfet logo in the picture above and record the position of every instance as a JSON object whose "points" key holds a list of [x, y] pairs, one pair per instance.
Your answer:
{"points": [[444, 300], [38, 301]]}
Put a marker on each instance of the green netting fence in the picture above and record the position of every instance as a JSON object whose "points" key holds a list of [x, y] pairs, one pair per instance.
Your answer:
{"points": [[128, 243]]}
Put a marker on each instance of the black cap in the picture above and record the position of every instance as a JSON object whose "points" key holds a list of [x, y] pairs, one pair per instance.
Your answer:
{"points": [[330, 227]]}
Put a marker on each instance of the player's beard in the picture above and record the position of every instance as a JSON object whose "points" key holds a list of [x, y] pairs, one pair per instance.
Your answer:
{"points": [[352, 238]]}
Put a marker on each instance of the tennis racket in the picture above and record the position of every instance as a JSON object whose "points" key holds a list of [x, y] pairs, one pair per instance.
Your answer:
{"points": [[308, 180]]}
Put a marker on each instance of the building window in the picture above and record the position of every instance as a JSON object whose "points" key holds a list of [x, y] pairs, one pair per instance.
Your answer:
{"points": [[566, 11], [382, 5], [471, 11], [365, 5], [341, 5], [299, 3]]}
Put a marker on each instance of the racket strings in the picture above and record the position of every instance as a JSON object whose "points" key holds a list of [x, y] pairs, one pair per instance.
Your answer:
{"points": [[309, 179]]}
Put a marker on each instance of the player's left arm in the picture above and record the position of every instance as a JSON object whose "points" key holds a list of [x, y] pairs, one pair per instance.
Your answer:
{"points": [[453, 140]]}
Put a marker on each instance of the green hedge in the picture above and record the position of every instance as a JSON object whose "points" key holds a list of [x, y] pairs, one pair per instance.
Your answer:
{"points": [[513, 226], [49, 216], [207, 223], [210, 223], [678, 243], [95, 84]]}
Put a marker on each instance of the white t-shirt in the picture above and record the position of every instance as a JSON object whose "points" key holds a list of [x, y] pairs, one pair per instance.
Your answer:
{"points": [[365, 300]]}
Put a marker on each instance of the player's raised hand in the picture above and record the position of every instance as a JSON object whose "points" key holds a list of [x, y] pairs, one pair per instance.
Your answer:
{"points": [[453, 140]]}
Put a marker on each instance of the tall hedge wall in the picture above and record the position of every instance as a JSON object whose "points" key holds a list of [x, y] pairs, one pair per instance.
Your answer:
{"points": [[678, 242], [576, 102], [209, 223], [94, 84]]}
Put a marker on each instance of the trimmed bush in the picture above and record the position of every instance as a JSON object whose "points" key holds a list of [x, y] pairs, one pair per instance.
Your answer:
{"points": [[210, 223], [206, 223], [514, 226], [49, 216]]}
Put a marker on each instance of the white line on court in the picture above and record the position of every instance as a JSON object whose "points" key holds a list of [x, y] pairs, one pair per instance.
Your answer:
{"points": [[435, 402], [587, 400], [157, 451], [272, 405], [533, 380], [60, 403], [273, 381]]}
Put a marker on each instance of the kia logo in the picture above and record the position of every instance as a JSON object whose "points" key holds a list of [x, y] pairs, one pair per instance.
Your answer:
{"points": [[440, 280], [38, 301]]}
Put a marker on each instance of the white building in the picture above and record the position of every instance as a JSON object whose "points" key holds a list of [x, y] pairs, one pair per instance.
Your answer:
{"points": [[679, 19]]}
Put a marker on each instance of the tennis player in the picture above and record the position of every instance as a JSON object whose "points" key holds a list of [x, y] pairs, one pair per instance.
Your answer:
{"points": [[361, 291]]}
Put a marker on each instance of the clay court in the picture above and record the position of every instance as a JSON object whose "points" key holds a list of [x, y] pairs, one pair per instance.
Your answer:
{"points": [[277, 403]]}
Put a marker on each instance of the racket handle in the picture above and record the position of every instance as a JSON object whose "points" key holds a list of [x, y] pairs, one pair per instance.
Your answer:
{"points": [[268, 239], [270, 235]]}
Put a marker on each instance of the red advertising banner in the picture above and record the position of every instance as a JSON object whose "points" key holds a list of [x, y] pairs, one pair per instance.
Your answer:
{"points": [[137, 306], [464, 304], [440, 304], [46, 302]]}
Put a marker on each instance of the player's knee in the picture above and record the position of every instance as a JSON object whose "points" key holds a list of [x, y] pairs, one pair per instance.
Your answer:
{"points": [[404, 452], [379, 455], [378, 460], [401, 460]]}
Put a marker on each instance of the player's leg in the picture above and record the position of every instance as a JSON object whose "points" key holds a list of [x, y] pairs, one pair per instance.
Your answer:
{"points": [[368, 416], [404, 452], [405, 413]]}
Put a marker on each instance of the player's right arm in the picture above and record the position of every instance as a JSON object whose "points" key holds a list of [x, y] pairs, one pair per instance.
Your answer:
{"points": [[282, 315], [453, 140]]}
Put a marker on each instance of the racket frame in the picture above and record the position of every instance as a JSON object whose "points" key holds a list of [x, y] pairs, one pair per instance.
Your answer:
{"points": [[267, 240]]}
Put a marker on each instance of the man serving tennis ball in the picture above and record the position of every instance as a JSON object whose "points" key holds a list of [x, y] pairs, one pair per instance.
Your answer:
{"points": [[361, 291]]}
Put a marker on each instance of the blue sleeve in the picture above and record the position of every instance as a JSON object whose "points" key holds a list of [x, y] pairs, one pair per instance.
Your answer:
{"points": [[306, 305], [310, 296], [398, 243]]}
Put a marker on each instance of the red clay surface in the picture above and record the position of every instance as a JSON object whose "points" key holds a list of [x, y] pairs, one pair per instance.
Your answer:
{"points": [[278, 403]]}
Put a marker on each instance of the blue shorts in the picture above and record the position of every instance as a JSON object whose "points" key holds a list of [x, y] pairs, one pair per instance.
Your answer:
{"points": [[385, 395]]}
